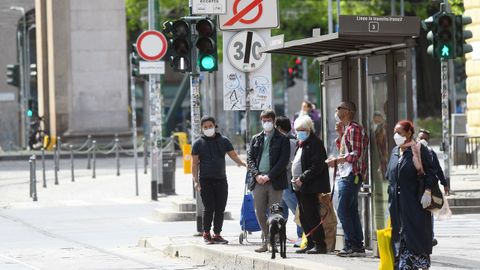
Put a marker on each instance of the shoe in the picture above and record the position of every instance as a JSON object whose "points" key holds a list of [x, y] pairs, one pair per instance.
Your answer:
{"points": [[298, 243], [359, 252], [217, 239], [434, 242], [263, 248], [346, 252], [207, 238], [317, 250], [304, 250]]}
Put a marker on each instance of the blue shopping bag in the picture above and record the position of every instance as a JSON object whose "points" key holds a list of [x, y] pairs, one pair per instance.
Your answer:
{"points": [[248, 220]]}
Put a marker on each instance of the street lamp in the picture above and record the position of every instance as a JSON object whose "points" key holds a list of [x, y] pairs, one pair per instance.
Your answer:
{"points": [[24, 92]]}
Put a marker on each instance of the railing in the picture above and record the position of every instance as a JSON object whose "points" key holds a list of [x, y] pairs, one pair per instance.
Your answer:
{"points": [[466, 150]]}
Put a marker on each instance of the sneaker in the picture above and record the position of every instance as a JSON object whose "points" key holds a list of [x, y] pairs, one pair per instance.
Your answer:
{"points": [[346, 252], [207, 238], [217, 239], [359, 252], [298, 243], [261, 249], [317, 250], [304, 250]]}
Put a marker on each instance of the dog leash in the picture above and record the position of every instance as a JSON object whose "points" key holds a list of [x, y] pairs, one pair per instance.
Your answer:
{"points": [[322, 220]]}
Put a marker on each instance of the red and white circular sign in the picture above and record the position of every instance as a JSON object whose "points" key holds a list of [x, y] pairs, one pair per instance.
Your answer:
{"points": [[152, 45]]}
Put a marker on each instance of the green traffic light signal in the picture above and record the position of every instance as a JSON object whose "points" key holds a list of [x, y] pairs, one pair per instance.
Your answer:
{"points": [[207, 63], [445, 51], [445, 33], [207, 45], [30, 113]]}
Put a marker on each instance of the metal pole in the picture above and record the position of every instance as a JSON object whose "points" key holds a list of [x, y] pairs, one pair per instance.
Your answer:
{"points": [[31, 176], [195, 121], [338, 16], [402, 7], [145, 155], [134, 126], [305, 78], [34, 186], [94, 156], [445, 119], [330, 17], [89, 155], [71, 161], [117, 156], [55, 164], [155, 115], [43, 168], [393, 8], [59, 150]]}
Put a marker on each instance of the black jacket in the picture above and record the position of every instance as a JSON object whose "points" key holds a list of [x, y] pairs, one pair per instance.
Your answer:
{"points": [[314, 177], [279, 157]]}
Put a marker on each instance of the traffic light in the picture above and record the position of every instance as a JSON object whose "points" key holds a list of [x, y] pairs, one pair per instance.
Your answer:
{"points": [[298, 68], [13, 75], [445, 28], [134, 62], [33, 72], [180, 46], [206, 44], [32, 108], [290, 77], [461, 35], [429, 26]]}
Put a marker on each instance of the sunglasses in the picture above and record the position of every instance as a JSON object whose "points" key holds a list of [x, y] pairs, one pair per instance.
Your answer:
{"points": [[342, 108]]}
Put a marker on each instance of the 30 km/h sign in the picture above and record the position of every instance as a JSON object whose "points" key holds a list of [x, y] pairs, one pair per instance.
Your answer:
{"points": [[243, 51], [250, 14], [152, 45]]}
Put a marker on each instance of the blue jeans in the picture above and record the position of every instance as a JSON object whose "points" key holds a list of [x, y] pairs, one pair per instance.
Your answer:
{"points": [[348, 211], [289, 201]]}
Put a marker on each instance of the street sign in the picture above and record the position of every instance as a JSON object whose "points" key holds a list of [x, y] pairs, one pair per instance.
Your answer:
{"points": [[157, 67], [250, 14], [209, 7], [234, 81], [243, 51], [379, 25], [152, 45]]}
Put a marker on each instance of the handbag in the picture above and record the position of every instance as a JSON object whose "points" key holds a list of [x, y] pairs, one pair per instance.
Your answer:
{"points": [[437, 196], [385, 248]]}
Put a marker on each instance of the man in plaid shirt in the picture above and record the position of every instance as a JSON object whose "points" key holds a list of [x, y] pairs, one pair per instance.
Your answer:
{"points": [[352, 143]]}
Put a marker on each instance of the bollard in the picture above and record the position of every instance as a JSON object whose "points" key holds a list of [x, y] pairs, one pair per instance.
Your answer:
{"points": [[71, 160], [59, 151], [117, 155], [145, 158], [30, 163], [55, 164], [89, 144], [34, 178], [94, 158], [43, 168]]}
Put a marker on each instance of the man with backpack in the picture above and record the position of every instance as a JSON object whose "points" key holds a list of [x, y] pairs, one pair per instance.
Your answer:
{"points": [[352, 143]]}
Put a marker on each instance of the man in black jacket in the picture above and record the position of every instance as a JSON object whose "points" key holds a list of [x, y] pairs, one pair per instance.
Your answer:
{"points": [[267, 160]]}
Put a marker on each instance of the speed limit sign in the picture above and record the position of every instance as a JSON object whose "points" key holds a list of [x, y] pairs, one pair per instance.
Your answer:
{"points": [[243, 51]]}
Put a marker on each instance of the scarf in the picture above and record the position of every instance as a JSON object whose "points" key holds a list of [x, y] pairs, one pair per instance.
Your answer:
{"points": [[417, 156]]}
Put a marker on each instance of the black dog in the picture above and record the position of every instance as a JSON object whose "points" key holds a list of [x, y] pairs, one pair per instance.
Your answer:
{"points": [[276, 225]]}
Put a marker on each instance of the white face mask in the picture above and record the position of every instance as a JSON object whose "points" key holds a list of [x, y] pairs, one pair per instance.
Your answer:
{"points": [[337, 118], [267, 126], [209, 132], [399, 139]]}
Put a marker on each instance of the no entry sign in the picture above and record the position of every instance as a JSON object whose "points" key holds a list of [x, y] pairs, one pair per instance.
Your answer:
{"points": [[250, 14], [152, 45]]}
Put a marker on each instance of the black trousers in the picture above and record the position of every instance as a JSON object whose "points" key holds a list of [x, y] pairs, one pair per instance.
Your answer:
{"points": [[214, 195], [309, 206]]}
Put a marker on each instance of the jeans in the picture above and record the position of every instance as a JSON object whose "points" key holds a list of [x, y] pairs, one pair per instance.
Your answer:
{"points": [[289, 201], [214, 195], [348, 211]]}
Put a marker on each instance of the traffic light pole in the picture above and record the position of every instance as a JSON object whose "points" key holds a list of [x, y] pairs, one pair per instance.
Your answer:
{"points": [[134, 122], [445, 118]]}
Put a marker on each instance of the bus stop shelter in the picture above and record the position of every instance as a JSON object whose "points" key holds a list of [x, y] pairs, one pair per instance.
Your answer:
{"points": [[370, 61]]}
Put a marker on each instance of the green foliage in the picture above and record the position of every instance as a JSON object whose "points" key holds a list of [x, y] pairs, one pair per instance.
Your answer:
{"points": [[432, 124]]}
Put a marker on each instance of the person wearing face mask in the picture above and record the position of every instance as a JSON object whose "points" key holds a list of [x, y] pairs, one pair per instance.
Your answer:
{"points": [[352, 144], [267, 159], [411, 223], [209, 176], [309, 179]]}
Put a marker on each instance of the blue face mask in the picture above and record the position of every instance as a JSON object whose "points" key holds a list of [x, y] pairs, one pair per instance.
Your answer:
{"points": [[302, 135]]}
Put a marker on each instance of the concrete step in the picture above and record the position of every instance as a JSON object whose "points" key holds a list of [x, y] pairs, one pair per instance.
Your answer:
{"points": [[187, 205], [464, 201], [169, 215], [461, 210]]}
